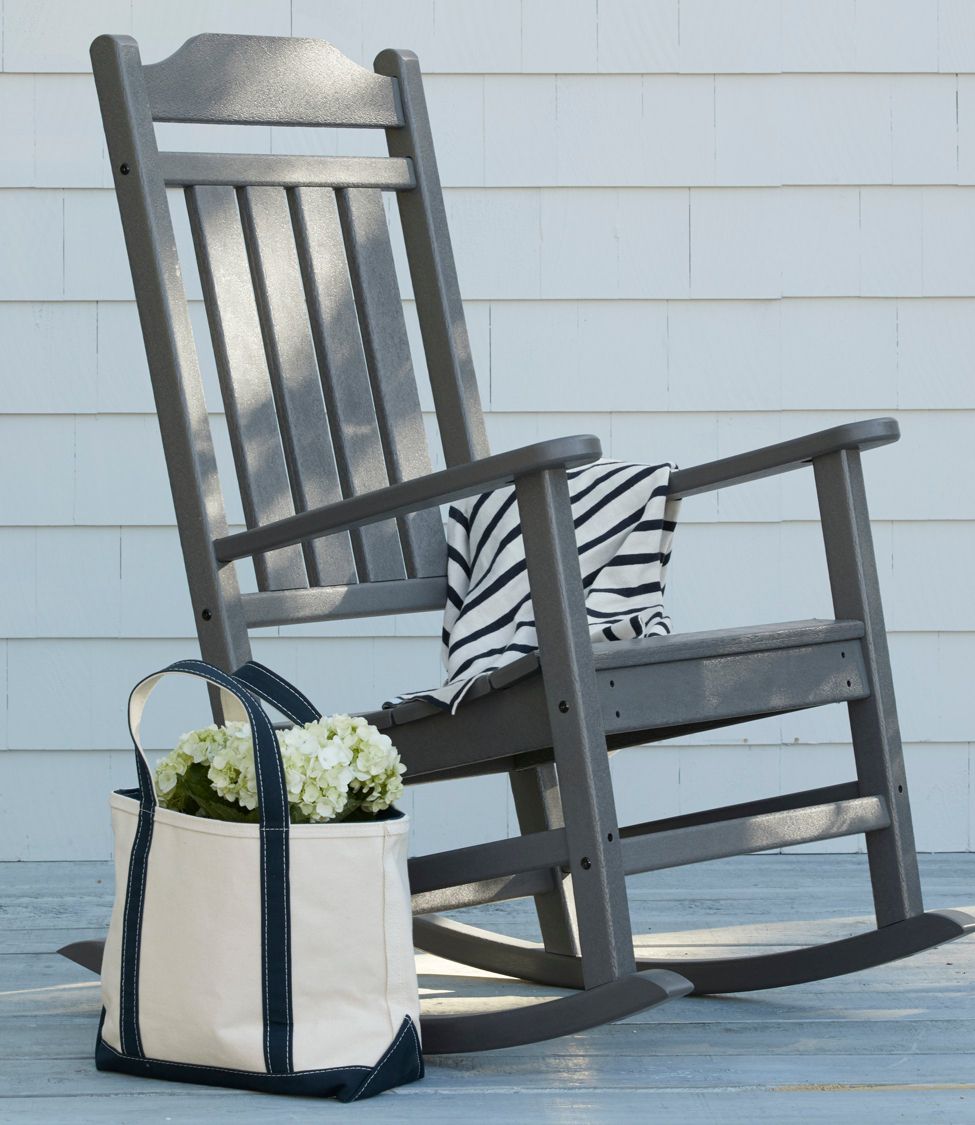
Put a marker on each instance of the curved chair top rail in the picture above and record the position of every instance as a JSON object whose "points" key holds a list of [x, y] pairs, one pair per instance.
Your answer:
{"points": [[260, 80]]}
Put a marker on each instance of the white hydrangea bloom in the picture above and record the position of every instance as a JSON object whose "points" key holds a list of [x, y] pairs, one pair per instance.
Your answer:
{"points": [[333, 767]]}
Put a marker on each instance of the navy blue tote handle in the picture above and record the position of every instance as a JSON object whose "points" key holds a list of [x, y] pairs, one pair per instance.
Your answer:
{"points": [[275, 821], [282, 696], [272, 790]]}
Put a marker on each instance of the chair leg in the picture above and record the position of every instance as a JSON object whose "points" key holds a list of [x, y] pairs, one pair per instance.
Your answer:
{"points": [[873, 721], [539, 807], [575, 717]]}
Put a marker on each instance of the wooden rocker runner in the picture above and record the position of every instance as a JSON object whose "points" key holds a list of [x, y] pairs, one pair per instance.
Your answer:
{"points": [[341, 504]]}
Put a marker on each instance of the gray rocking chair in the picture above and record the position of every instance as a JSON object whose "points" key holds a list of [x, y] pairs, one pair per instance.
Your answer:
{"points": [[342, 514]]}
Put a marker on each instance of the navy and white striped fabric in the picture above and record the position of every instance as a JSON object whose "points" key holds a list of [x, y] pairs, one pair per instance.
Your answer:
{"points": [[624, 527]]}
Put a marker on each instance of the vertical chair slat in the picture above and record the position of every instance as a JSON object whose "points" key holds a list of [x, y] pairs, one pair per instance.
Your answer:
{"points": [[294, 374], [335, 329], [242, 366], [390, 367]]}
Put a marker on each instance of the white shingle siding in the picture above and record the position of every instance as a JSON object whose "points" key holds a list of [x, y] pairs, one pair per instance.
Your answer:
{"points": [[687, 226]]}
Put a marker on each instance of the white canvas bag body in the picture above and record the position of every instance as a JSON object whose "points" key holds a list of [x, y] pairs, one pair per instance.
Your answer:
{"points": [[268, 956]]}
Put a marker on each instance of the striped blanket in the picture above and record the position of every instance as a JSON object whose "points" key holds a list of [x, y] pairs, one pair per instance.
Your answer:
{"points": [[624, 527]]}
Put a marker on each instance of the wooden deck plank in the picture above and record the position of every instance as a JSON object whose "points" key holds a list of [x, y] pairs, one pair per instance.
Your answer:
{"points": [[667, 931], [916, 996], [505, 1071], [577, 1107], [893, 1043], [70, 1037], [780, 908]]}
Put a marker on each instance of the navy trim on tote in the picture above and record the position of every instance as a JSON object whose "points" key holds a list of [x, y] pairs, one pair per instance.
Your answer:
{"points": [[276, 949], [272, 791], [275, 823], [283, 697], [401, 1063], [135, 897]]}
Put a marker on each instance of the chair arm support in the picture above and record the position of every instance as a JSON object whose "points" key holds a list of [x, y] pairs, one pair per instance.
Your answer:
{"points": [[400, 499], [782, 457]]}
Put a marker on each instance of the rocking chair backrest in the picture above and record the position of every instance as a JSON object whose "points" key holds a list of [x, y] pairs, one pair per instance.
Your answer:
{"points": [[305, 315]]}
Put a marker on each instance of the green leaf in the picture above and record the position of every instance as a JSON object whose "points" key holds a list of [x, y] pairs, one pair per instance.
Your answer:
{"points": [[211, 804], [351, 812], [179, 799]]}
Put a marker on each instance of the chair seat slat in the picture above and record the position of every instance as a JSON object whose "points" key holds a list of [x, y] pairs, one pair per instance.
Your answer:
{"points": [[296, 382], [387, 351], [184, 169], [335, 328], [242, 366]]}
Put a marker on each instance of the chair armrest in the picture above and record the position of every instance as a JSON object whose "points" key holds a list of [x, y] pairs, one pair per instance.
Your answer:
{"points": [[442, 487], [782, 457]]}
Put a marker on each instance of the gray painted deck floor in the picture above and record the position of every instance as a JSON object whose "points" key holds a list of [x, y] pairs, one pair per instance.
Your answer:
{"points": [[892, 1044]]}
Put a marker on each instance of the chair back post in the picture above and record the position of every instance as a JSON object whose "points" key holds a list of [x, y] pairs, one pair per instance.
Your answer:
{"points": [[432, 270], [170, 348]]}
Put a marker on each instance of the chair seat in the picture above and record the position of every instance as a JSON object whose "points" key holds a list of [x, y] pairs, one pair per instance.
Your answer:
{"points": [[713, 642], [650, 689]]}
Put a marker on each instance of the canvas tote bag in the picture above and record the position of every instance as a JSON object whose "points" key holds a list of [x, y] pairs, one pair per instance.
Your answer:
{"points": [[268, 956]]}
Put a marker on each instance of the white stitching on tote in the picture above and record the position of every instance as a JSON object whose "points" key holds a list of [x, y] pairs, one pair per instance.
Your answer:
{"points": [[284, 843], [288, 687], [284, 851], [267, 988], [389, 1050], [138, 928], [292, 690], [232, 1070], [125, 928]]}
